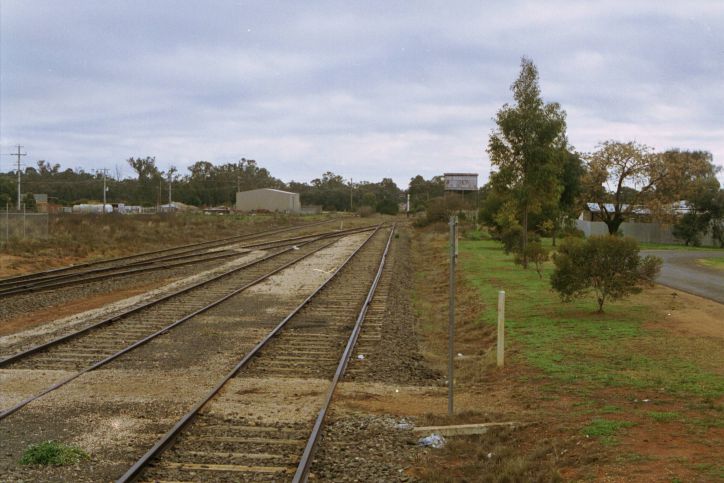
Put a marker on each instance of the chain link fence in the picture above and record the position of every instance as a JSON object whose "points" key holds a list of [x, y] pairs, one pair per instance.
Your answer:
{"points": [[18, 225]]}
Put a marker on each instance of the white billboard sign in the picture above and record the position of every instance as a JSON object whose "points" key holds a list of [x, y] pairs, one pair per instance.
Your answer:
{"points": [[461, 181]]}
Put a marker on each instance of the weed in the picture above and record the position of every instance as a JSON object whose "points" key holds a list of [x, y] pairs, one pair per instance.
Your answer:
{"points": [[52, 453], [632, 458], [663, 416], [609, 409], [605, 429]]}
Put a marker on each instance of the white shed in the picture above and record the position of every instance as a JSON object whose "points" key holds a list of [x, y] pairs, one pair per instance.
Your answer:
{"points": [[268, 199]]}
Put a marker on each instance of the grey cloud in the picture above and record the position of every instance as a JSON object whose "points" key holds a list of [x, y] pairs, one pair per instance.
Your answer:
{"points": [[367, 89]]}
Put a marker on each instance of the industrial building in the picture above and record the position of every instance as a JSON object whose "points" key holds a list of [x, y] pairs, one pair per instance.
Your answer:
{"points": [[267, 199]]}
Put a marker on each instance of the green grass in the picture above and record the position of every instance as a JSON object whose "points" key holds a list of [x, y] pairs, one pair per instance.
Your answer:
{"points": [[717, 263], [671, 246], [52, 453], [605, 429], [715, 471], [664, 416], [610, 409], [574, 344], [477, 235]]}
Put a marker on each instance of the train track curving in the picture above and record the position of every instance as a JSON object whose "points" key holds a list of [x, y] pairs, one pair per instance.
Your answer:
{"points": [[220, 440]]}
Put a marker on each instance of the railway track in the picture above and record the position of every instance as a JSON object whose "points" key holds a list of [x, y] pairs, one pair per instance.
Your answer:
{"points": [[221, 439], [96, 345], [268, 245], [138, 263]]}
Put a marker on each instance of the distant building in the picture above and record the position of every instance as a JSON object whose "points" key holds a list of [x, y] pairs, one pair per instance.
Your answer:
{"points": [[461, 181], [593, 212], [267, 199], [41, 203]]}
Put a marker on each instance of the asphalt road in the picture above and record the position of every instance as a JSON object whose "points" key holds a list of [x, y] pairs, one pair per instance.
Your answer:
{"points": [[680, 271]]}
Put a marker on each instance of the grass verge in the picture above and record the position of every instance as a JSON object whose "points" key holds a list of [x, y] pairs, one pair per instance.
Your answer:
{"points": [[717, 263], [598, 388]]}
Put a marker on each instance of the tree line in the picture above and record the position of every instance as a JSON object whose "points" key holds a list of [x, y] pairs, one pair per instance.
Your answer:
{"points": [[205, 184]]}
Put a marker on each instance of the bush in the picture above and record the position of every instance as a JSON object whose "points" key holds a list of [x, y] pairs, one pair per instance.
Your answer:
{"points": [[436, 211], [535, 254], [690, 227], [387, 207], [512, 239], [365, 211], [571, 231], [439, 209], [609, 266]]}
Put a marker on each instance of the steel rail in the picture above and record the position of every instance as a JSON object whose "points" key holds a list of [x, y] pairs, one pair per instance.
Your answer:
{"points": [[15, 357], [52, 277], [159, 332], [168, 438], [72, 278], [305, 462], [199, 245]]}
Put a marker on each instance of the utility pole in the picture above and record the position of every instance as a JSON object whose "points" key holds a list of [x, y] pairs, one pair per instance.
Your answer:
{"points": [[105, 189], [351, 187], [19, 154], [169, 190]]}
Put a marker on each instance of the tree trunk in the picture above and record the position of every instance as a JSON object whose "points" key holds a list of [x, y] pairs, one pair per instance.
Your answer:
{"points": [[613, 225], [525, 236]]}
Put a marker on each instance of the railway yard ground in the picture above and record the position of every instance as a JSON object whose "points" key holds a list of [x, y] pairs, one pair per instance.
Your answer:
{"points": [[635, 393]]}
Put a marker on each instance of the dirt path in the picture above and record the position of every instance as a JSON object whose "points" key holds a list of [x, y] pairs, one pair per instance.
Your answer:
{"points": [[680, 271]]}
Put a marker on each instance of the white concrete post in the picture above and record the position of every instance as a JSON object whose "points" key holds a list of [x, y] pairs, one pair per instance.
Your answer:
{"points": [[501, 327]]}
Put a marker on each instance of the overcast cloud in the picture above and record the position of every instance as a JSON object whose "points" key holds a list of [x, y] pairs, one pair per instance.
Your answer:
{"points": [[364, 89]]}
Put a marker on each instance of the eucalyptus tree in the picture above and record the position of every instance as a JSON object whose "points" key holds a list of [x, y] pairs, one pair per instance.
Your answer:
{"points": [[526, 147], [626, 176]]}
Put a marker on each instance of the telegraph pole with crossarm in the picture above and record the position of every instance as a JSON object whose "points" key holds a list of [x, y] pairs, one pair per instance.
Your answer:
{"points": [[19, 154]]}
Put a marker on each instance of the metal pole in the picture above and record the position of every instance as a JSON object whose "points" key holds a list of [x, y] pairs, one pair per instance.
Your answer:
{"points": [[501, 327], [23, 221], [104, 191], [169, 190], [451, 317], [351, 187], [7, 222]]}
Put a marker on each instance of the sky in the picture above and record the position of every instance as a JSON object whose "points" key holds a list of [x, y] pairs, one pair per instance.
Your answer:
{"points": [[365, 89]]}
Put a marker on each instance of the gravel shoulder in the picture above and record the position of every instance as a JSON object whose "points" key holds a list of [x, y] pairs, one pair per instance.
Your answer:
{"points": [[680, 271]]}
